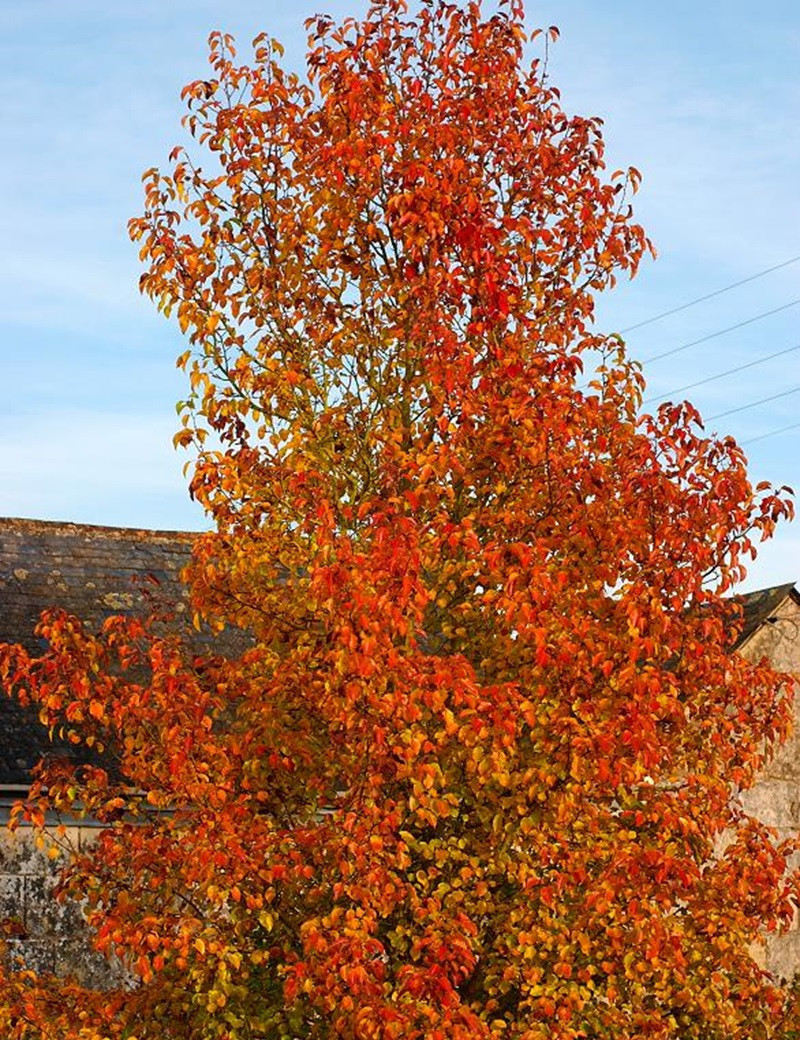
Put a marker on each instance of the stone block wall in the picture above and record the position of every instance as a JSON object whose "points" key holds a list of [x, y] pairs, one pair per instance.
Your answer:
{"points": [[48, 935], [775, 799]]}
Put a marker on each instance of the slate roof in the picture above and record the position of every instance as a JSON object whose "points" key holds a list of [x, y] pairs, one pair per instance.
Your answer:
{"points": [[93, 572]]}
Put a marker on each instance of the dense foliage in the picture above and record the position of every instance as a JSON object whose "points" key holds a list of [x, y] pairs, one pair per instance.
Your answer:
{"points": [[476, 773]]}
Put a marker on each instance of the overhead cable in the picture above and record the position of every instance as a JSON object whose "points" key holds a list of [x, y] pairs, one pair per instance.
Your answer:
{"points": [[753, 404], [772, 433], [719, 375], [721, 332], [709, 296]]}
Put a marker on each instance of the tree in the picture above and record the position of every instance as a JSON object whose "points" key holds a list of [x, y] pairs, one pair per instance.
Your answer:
{"points": [[477, 773]]}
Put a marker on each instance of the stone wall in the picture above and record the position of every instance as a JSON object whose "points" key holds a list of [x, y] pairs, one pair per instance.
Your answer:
{"points": [[775, 799], [50, 936]]}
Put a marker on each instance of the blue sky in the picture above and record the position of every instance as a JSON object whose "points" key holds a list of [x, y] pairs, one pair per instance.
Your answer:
{"points": [[705, 103]]}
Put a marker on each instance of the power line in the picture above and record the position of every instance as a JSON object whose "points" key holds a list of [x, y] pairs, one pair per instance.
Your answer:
{"points": [[709, 296], [753, 404], [772, 433], [721, 332], [719, 375]]}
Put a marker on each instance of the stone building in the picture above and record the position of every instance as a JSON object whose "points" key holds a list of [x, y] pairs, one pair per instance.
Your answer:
{"points": [[94, 572], [772, 630]]}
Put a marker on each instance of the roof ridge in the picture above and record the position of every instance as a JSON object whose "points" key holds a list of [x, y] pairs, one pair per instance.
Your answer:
{"points": [[30, 525], [784, 588]]}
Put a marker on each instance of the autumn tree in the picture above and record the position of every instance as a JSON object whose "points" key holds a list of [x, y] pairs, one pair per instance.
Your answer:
{"points": [[477, 772]]}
